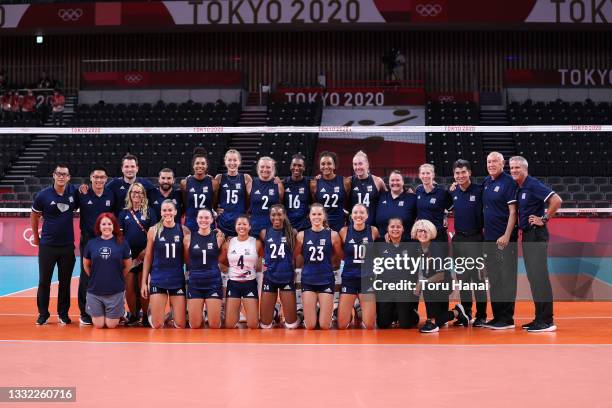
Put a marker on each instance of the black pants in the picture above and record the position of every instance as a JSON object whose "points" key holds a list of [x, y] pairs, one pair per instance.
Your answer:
{"points": [[406, 313], [502, 267], [48, 257], [83, 277], [436, 306], [470, 246], [535, 253]]}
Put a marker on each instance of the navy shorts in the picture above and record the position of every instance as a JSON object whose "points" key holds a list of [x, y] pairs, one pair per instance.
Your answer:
{"points": [[242, 289], [208, 293], [156, 290], [354, 287], [328, 288], [273, 287]]}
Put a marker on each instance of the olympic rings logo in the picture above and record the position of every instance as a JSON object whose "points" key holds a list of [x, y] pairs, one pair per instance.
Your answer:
{"points": [[133, 78], [70, 14], [28, 236], [428, 10]]}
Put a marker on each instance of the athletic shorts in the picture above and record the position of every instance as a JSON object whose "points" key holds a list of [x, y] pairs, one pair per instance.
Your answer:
{"points": [[109, 306], [156, 290], [353, 286], [273, 287], [208, 293], [329, 288], [242, 289]]}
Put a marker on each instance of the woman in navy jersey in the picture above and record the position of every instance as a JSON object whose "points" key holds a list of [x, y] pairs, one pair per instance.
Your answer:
{"points": [[135, 220], [242, 255], [107, 260], [396, 203], [297, 194], [330, 190], [433, 201], [264, 192], [232, 196], [355, 238], [204, 286], [163, 263], [365, 188], [321, 249], [199, 189], [279, 274]]}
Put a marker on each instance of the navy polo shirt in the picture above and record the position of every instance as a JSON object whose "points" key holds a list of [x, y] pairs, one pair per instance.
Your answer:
{"points": [[92, 206], [107, 257], [431, 206], [156, 198], [403, 206], [135, 236], [57, 212], [119, 187], [468, 208], [531, 197], [496, 197]]}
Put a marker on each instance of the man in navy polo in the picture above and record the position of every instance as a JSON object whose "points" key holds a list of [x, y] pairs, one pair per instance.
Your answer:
{"points": [[166, 191], [500, 235], [120, 185], [468, 237], [96, 201], [532, 197], [56, 205]]}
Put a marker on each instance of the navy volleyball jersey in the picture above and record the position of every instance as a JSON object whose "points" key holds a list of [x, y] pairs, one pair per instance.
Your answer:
{"points": [[204, 261], [107, 257], [199, 195], [355, 245], [317, 252], [156, 198], [403, 206], [167, 269], [264, 194], [134, 234], [297, 201], [331, 194], [278, 257], [232, 198], [364, 191]]}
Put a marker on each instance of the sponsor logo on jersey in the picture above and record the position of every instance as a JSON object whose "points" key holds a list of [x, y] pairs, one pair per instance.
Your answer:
{"points": [[127, 217], [418, 197], [270, 240], [196, 246], [155, 202], [192, 190], [385, 202], [89, 202], [225, 185], [179, 292], [496, 189], [328, 290], [233, 251], [105, 253], [71, 199], [399, 204], [432, 200], [356, 189], [287, 190], [122, 188], [214, 295], [523, 196], [257, 192], [53, 203], [455, 197], [352, 241], [287, 287], [250, 294], [162, 239], [323, 190], [309, 242]]}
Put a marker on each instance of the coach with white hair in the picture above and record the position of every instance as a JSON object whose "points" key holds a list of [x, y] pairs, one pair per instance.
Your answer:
{"points": [[532, 197], [500, 235]]}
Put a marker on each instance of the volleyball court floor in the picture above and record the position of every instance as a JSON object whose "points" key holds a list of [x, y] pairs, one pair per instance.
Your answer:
{"points": [[299, 368]]}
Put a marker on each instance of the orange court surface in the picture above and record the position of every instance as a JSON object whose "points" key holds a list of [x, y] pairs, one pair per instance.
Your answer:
{"points": [[299, 368]]}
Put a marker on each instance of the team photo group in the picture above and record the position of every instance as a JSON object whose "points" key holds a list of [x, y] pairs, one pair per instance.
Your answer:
{"points": [[215, 251]]}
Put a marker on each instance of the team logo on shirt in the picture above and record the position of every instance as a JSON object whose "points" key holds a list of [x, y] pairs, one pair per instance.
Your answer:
{"points": [[105, 252], [108, 203], [365, 240], [301, 190], [496, 189], [177, 238], [210, 245], [369, 188], [238, 186], [432, 201], [472, 198], [336, 189], [399, 204], [523, 196], [455, 197], [63, 207], [247, 252], [271, 192], [205, 189], [283, 239], [71, 199], [322, 241]]}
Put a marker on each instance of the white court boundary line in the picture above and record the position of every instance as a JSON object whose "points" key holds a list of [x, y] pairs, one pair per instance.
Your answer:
{"points": [[304, 129], [411, 345], [33, 287]]}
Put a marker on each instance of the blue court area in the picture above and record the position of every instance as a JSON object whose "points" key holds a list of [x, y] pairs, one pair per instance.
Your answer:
{"points": [[21, 272]]}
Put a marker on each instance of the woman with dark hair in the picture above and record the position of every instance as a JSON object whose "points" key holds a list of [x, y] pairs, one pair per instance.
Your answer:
{"points": [[297, 194], [107, 260], [279, 272], [331, 190], [199, 188]]}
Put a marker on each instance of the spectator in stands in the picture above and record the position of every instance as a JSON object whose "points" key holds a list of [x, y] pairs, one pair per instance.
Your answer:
{"points": [[56, 205], [44, 82], [6, 102], [500, 234], [166, 191], [106, 260], [57, 107], [532, 197], [96, 201], [28, 103]]}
